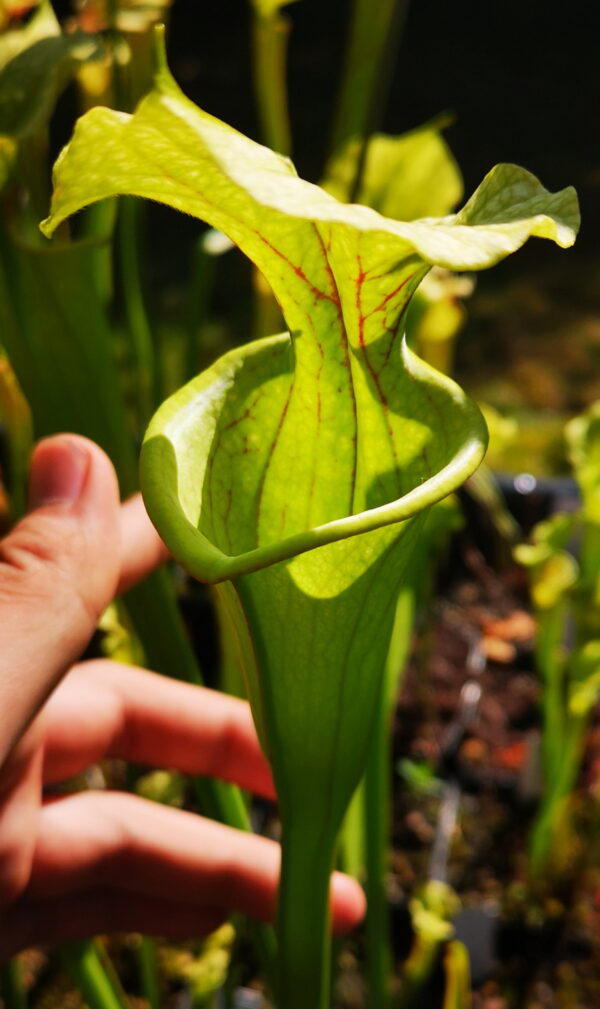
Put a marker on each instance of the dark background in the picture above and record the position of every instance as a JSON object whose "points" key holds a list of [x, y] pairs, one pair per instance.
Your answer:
{"points": [[522, 80]]}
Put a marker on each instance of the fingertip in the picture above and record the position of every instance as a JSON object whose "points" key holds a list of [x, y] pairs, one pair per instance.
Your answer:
{"points": [[141, 546], [59, 468], [63, 467], [349, 903]]}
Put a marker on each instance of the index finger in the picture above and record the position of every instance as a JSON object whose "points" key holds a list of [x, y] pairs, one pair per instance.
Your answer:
{"points": [[104, 708], [142, 549]]}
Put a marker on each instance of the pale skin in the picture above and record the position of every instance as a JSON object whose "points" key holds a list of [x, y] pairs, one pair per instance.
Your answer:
{"points": [[103, 861]]}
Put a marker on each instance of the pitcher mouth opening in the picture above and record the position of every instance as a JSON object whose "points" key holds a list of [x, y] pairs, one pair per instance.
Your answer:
{"points": [[209, 563]]}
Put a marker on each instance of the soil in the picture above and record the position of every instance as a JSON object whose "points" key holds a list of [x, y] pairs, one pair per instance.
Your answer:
{"points": [[468, 712]]}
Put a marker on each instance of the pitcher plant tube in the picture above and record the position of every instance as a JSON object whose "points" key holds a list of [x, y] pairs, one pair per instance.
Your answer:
{"points": [[295, 471]]}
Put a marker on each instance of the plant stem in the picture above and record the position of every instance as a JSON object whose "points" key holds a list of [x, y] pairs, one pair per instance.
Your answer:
{"points": [[590, 549], [458, 976], [417, 971], [303, 920], [375, 32], [377, 822], [353, 836], [93, 975], [202, 280], [377, 808], [148, 971], [98, 222], [543, 835], [16, 416], [269, 51], [12, 992], [550, 662], [135, 309], [153, 610], [270, 35]]}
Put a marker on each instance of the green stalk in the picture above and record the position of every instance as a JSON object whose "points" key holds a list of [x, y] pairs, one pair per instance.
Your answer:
{"points": [[458, 976], [353, 859], [375, 34], [12, 991], [550, 663], [128, 236], [97, 222], [543, 833], [270, 35], [148, 972], [304, 920], [417, 970], [590, 549], [153, 609], [16, 416], [147, 393], [152, 606], [201, 285], [377, 809], [587, 612], [32, 161], [377, 832], [93, 974], [303, 924]]}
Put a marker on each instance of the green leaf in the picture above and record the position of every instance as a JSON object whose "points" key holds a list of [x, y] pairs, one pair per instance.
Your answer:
{"points": [[432, 909], [404, 177], [371, 53], [172, 152], [548, 538], [292, 473], [583, 440], [269, 8], [457, 971], [139, 16], [584, 678], [8, 154], [15, 417], [58, 336], [553, 571], [15, 69], [36, 63], [41, 25], [29, 85]]}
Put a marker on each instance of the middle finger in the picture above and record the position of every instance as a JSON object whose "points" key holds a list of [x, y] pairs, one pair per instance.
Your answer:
{"points": [[106, 709]]}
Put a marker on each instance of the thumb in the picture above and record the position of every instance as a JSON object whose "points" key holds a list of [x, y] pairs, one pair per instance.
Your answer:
{"points": [[59, 568]]}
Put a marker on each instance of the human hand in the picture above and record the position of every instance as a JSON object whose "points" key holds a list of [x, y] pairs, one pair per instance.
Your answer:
{"points": [[101, 861]]}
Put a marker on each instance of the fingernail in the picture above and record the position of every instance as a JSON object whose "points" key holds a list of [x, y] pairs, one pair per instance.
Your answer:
{"points": [[58, 471]]}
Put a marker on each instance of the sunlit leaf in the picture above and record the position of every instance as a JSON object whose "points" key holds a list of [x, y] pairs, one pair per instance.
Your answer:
{"points": [[584, 683], [548, 537], [15, 418], [36, 63], [269, 8], [432, 909], [553, 571], [20, 36], [583, 439], [406, 177]]}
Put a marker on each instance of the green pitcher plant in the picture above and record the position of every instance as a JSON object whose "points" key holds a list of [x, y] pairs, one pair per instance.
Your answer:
{"points": [[565, 593], [294, 473]]}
